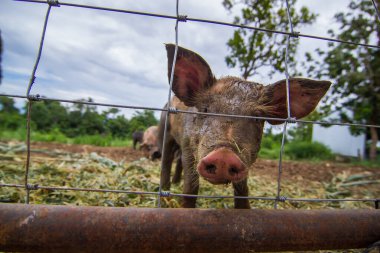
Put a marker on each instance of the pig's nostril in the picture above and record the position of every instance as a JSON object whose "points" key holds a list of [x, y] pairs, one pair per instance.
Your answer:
{"points": [[233, 171], [211, 168], [156, 154]]}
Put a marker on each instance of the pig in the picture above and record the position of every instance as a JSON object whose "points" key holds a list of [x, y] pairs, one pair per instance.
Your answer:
{"points": [[149, 144], [137, 137], [222, 149]]}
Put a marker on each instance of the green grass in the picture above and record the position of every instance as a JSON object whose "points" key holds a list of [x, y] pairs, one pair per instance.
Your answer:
{"points": [[58, 137], [99, 140], [368, 163], [300, 150], [294, 150], [9, 135], [270, 148]]}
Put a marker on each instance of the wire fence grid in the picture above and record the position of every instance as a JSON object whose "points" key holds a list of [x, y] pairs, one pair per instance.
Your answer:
{"points": [[170, 110]]}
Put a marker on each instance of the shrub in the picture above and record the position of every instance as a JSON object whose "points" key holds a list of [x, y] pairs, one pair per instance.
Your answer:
{"points": [[55, 135], [307, 150]]}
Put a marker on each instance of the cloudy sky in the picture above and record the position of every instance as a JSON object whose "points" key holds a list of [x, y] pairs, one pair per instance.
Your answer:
{"points": [[120, 58]]}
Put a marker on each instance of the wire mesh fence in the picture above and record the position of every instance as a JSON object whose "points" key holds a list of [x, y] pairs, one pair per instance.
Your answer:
{"points": [[172, 110]]}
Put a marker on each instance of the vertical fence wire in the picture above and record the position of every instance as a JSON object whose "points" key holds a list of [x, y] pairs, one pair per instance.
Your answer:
{"points": [[30, 101], [278, 198], [376, 8], [168, 103]]}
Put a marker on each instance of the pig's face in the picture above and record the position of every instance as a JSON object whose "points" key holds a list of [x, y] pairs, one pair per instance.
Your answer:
{"points": [[150, 143], [150, 151], [232, 142], [224, 148]]}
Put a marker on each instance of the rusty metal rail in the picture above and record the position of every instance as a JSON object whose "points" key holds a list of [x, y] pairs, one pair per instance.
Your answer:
{"points": [[42, 228]]}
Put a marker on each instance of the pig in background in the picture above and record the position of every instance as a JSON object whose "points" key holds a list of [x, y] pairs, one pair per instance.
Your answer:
{"points": [[222, 149], [137, 137], [149, 144]]}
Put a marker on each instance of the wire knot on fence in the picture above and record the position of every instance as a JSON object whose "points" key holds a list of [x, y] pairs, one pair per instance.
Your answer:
{"points": [[36, 97], [282, 198], [182, 18], [295, 35], [172, 110], [53, 3], [165, 194], [291, 120], [32, 187]]}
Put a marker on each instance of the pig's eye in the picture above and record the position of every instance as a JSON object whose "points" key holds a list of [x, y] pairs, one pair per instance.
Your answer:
{"points": [[256, 120]]}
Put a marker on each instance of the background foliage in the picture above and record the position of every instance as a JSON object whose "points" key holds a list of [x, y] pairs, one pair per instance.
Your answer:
{"points": [[83, 124], [355, 70], [251, 50]]}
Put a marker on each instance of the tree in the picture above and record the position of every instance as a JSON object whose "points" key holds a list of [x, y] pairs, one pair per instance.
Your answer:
{"points": [[10, 116], [142, 120], [84, 119], [7, 105], [47, 115], [251, 50], [354, 69], [117, 125]]}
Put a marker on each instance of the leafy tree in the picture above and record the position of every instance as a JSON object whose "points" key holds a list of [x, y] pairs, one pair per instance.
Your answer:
{"points": [[117, 125], [142, 120], [10, 117], [84, 120], [251, 50], [354, 69], [7, 105], [79, 119], [47, 115]]}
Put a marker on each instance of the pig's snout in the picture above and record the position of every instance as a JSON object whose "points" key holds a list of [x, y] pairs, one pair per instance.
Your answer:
{"points": [[156, 155], [222, 166]]}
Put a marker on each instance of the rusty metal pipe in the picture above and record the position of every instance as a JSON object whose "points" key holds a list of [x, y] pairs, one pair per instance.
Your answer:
{"points": [[42, 228]]}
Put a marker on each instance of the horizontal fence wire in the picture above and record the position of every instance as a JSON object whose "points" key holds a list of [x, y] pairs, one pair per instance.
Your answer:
{"points": [[171, 194], [160, 193], [186, 18], [174, 110]]}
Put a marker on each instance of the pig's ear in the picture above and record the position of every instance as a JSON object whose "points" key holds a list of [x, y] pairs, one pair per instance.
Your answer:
{"points": [[192, 74], [305, 95]]}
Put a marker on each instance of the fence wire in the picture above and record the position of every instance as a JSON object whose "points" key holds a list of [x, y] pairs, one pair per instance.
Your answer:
{"points": [[207, 21], [181, 18], [175, 111]]}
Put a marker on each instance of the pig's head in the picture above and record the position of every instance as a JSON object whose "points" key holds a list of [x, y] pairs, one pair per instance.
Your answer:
{"points": [[224, 148], [149, 144], [150, 151]]}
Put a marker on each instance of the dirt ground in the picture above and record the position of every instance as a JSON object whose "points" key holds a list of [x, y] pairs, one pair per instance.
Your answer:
{"points": [[309, 171], [302, 179]]}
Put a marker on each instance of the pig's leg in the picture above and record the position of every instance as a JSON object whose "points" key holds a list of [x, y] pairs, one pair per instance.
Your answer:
{"points": [[167, 160], [134, 143], [178, 171], [191, 182], [241, 189]]}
